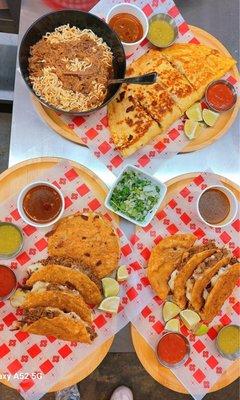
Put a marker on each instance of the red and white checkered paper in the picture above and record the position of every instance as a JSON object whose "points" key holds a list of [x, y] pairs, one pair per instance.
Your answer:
{"points": [[21, 353], [205, 365], [93, 129]]}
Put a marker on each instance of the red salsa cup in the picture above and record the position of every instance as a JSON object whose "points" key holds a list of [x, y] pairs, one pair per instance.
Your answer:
{"points": [[173, 349], [220, 95], [8, 282]]}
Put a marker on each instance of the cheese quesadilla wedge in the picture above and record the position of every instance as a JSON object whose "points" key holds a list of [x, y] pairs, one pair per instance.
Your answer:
{"points": [[219, 289], [200, 64], [173, 82], [164, 258], [54, 322], [130, 125]]}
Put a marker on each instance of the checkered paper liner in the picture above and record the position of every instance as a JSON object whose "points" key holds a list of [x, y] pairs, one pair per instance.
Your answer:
{"points": [[204, 366], [23, 354], [93, 129]]}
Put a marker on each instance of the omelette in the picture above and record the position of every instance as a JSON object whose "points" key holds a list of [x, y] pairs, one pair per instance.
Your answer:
{"points": [[164, 258], [88, 238], [140, 113]]}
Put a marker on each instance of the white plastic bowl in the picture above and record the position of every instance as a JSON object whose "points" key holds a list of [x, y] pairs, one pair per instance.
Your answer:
{"points": [[152, 212], [20, 204], [233, 206], [130, 48]]}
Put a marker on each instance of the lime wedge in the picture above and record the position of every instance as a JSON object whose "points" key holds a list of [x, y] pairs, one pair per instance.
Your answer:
{"points": [[191, 129], [210, 117], [18, 298], [110, 304], [173, 325], [201, 329], [194, 113], [190, 318], [170, 310], [110, 287], [122, 273]]}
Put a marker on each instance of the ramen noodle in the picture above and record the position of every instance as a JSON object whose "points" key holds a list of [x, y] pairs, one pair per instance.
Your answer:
{"points": [[70, 68]]}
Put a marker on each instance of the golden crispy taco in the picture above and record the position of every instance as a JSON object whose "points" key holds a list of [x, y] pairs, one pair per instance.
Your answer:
{"points": [[196, 284], [185, 269], [219, 289], [88, 238], [59, 274], [54, 322], [45, 294], [165, 258]]}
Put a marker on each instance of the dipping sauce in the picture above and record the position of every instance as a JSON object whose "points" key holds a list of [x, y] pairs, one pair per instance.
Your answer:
{"points": [[214, 206], [161, 33], [8, 281], [172, 348], [11, 240], [127, 26], [220, 96], [228, 341], [42, 204]]}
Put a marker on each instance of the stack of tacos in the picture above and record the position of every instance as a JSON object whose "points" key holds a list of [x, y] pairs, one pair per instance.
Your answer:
{"points": [[199, 277], [61, 289]]}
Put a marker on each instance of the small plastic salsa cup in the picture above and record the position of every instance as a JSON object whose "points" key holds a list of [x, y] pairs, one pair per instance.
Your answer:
{"points": [[228, 342], [173, 349], [8, 282], [220, 95]]}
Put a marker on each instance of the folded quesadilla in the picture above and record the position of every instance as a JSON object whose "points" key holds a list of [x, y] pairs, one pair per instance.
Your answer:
{"points": [[67, 276], [219, 289], [52, 321], [164, 260]]}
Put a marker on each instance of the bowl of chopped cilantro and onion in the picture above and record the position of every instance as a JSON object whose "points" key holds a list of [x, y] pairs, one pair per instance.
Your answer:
{"points": [[136, 196]]}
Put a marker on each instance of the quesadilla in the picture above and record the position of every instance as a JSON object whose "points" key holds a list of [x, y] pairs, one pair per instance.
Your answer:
{"points": [[54, 322], [61, 275], [130, 125], [198, 63], [173, 82], [164, 259], [88, 238], [219, 289]]}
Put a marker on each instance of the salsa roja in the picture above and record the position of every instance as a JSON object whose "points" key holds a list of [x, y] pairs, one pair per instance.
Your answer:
{"points": [[172, 348], [42, 204], [8, 281], [220, 96], [127, 26]]}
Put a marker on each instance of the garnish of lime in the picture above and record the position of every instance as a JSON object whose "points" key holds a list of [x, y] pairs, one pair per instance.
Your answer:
{"points": [[110, 304], [170, 310], [110, 287]]}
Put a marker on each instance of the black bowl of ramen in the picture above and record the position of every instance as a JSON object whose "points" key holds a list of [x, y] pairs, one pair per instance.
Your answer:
{"points": [[66, 59]]}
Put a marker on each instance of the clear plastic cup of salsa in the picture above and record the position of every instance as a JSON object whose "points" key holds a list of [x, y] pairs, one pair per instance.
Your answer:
{"points": [[8, 282], [173, 349], [220, 96]]}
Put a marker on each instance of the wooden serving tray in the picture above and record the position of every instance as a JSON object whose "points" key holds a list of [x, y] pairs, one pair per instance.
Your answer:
{"points": [[208, 135], [11, 182], [144, 352]]}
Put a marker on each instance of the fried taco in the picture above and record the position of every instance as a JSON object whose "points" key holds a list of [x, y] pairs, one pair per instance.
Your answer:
{"points": [[190, 261], [88, 238], [45, 294], [68, 276], [164, 259], [219, 289], [196, 284], [52, 321]]}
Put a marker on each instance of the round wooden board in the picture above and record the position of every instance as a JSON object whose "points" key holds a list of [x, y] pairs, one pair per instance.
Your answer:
{"points": [[11, 181], [207, 137], [144, 352]]}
